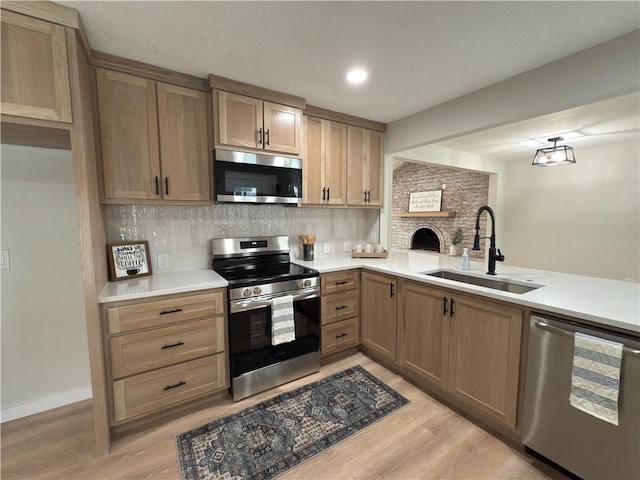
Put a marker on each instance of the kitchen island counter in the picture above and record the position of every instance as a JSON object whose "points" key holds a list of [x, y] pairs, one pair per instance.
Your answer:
{"points": [[602, 301]]}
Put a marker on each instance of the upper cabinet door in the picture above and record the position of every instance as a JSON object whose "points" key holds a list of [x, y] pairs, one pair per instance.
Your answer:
{"points": [[240, 121], [129, 136], [282, 128], [184, 149], [312, 179], [35, 72], [356, 189], [335, 162], [374, 168]]}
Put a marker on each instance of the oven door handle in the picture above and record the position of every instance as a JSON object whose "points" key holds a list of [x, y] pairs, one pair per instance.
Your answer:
{"points": [[245, 305]]}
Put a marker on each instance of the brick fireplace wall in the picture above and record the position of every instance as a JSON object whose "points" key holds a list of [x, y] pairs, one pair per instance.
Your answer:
{"points": [[465, 192]]}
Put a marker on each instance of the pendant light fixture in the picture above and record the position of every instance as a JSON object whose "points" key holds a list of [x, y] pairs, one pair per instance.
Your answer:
{"points": [[556, 155]]}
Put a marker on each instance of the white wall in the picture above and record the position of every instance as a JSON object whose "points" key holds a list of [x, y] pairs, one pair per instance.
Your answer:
{"points": [[582, 218], [604, 71], [45, 360]]}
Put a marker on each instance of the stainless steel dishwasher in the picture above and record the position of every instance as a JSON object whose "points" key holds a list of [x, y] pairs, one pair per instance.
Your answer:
{"points": [[577, 441]]}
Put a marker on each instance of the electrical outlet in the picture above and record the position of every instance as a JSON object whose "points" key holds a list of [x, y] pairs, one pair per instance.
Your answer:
{"points": [[346, 246], [327, 247], [163, 261], [4, 260]]}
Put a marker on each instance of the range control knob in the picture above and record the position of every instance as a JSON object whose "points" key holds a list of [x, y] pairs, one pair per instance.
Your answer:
{"points": [[299, 284], [307, 283], [246, 292], [257, 290]]}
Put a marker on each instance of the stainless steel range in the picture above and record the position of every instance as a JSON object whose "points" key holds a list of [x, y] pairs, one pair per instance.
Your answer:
{"points": [[258, 271]]}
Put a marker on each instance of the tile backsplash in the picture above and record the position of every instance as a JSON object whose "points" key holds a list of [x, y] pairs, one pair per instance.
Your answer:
{"points": [[185, 232]]}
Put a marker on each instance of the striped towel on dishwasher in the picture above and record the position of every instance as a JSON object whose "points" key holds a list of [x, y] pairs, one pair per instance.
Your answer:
{"points": [[283, 327], [595, 379]]}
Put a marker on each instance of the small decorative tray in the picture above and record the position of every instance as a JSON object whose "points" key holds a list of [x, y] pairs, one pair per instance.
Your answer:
{"points": [[383, 254]]}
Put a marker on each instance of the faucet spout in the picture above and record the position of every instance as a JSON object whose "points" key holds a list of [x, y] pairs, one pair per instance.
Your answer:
{"points": [[493, 255]]}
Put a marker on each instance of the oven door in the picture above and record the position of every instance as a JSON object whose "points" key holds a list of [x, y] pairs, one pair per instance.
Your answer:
{"points": [[250, 345]]}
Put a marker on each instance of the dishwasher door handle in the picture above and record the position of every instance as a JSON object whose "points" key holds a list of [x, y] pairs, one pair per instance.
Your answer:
{"points": [[567, 333]]}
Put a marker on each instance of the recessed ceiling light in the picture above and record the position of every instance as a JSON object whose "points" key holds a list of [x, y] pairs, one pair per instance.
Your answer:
{"points": [[357, 76]]}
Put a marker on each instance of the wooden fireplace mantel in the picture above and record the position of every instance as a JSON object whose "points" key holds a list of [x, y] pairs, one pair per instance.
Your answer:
{"points": [[447, 214]]}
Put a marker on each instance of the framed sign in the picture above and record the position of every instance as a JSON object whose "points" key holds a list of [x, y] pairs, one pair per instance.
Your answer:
{"points": [[425, 201], [128, 260]]}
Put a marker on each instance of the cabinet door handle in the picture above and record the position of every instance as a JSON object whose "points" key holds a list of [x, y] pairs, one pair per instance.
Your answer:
{"points": [[340, 335], [365, 196], [392, 287], [342, 282], [369, 196], [179, 384], [177, 344], [341, 307], [324, 194], [259, 133], [444, 306], [266, 137], [328, 193], [453, 303], [175, 310], [157, 186], [166, 185]]}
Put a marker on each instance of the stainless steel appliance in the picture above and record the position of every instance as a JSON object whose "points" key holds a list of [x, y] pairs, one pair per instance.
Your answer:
{"points": [[577, 441], [257, 178], [259, 270]]}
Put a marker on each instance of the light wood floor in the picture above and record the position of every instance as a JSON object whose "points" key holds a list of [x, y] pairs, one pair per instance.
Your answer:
{"points": [[423, 440]]}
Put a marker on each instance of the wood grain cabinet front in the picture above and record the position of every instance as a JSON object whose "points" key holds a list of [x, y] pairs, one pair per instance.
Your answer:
{"points": [[154, 140], [257, 124], [163, 352], [35, 70], [379, 303], [340, 320], [364, 167]]}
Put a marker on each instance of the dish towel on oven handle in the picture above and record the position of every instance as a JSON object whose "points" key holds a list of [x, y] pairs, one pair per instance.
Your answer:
{"points": [[283, 327], [595, 378]]}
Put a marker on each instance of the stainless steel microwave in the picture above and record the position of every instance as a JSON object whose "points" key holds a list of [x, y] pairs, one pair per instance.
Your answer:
{"points": [[256, 178]]}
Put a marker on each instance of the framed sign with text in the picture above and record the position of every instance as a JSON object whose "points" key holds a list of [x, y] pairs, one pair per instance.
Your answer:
{"points": [[425, 201], [128, 260]]}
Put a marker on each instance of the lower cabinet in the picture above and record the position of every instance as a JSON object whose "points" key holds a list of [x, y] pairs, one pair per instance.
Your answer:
{"points": [[163, 352], [465, 345], [340, 324], [379, 300]]}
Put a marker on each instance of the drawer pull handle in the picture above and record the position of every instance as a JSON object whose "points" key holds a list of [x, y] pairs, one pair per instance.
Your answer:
{"points": [[340, 335], [172, 345], [175, 310], [169, 387], [341, 307], [343, 282]]}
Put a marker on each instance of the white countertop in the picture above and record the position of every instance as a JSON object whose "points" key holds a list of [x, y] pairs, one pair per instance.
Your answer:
{"points": [[607, 302], [161, 284]]}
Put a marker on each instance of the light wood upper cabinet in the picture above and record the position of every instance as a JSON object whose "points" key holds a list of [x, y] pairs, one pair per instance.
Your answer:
{"points": [[35, 71], [425, 333], [128, 135], [484, 357], [378, 314], [325, 161], [184, 148], [153, 139], [252, 123], [365, 167]]}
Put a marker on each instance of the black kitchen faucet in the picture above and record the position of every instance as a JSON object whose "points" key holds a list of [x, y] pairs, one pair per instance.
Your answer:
{"points": [[493, 256]]}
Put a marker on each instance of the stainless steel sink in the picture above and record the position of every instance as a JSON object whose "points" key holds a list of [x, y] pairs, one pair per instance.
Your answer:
{"points": [[504, 285]]}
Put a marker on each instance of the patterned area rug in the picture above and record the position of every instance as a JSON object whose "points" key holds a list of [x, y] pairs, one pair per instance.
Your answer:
{"points": [[266, 440]]}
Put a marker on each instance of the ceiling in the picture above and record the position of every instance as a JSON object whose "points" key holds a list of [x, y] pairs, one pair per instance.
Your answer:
{"points": [[616, 120], [418, 54]]}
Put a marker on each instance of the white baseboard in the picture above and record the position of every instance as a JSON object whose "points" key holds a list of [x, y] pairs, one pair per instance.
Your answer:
{"points": [[44, 404]]}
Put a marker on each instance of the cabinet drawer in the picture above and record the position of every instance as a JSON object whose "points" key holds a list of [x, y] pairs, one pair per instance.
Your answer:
{"points": [[339, 335], [340, 281], [151, 349], [340, 306], [162, 312], [148, 392]]}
